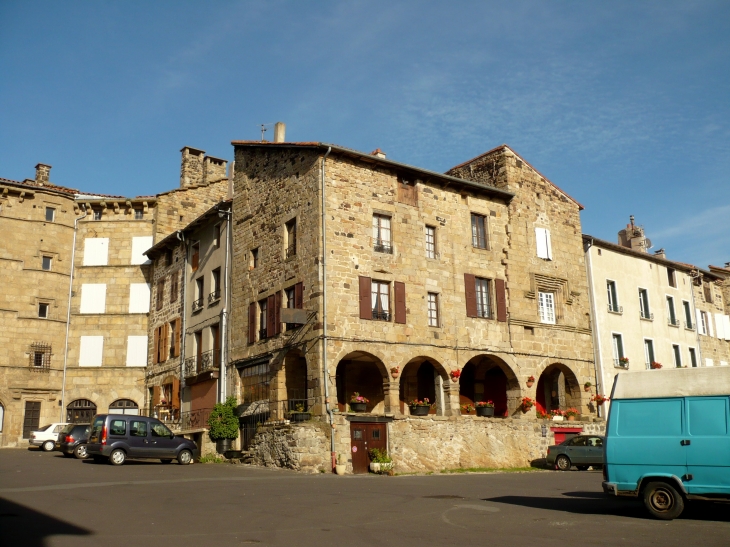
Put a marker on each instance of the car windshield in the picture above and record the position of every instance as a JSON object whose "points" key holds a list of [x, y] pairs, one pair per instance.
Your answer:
{"points": [[44, 427]]}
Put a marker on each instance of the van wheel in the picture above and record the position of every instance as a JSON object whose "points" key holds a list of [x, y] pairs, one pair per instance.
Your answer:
{"points": [[563, 463], [80, 452], [48, 446], [185, 457], [663, 501], [117, 457]]}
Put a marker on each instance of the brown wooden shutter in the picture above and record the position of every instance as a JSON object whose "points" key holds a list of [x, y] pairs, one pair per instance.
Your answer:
{"points": [[470, 292], [175, 393], [155, 355], [299, 296], [277, 313], [178, 324], [252, 322], [366, 309], [270, 316], [400, 301], [499, 288], [156, 394], [166, 342]]}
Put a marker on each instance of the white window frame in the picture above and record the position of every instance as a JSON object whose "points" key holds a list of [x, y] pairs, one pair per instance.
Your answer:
{"points": [[380, 299], [430, 241], [91, 351], [546, 307], [93, 298], [137, 347], [644, 313], [140, 244], [433, 309], [647, 358], [612, 306], [677, 355], [382, 230], [96, 251], [543, 243], [47, 308], [483, 294], [617, 355]]}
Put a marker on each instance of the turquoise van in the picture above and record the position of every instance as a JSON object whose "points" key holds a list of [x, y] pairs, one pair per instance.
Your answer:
{"points": [[667, 438]]}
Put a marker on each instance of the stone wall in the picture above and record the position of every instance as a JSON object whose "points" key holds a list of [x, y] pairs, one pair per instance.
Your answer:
{"points": [[302, 447], [711, 347]]}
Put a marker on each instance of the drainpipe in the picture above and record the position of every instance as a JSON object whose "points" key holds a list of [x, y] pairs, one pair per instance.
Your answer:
{"points": [[597, 353], [181, 237], [224, 314], [694, 311], [68, 313], [324, 317]]}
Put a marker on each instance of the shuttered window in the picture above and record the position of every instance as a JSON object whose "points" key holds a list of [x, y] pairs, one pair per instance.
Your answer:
{"points": [[136, 351], [380, 300], [544, 244], [139, 298], [90, 351], [364, 286], [139, 246], [96, 251], [482, 292], [720, 326], [93, 298]]}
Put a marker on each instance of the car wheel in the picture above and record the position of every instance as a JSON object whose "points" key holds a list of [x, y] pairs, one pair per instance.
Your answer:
{"points": [[582, 467], [80, 452], [562, 462], [48, 446], [166, 460], [117, 457], [663, 501], [185, 457]]}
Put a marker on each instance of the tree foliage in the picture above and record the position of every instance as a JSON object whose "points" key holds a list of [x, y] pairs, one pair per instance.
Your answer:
{"points": [[223, 422]]}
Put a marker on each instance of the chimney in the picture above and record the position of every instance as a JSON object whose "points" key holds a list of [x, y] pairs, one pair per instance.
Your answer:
{"points": [[214, 169], [378, 153], [42, 173], [191, 168], [279, 132], [660, 253]]}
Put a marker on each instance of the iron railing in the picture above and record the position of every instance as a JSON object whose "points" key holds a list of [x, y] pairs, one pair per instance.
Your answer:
{"points": [[198, 304], [165, 413], [214, 296], [649, 316], [381, 315], [210, 360], [195, 419], [688, 325], [380, 246], [673, 322], [615, 309]]}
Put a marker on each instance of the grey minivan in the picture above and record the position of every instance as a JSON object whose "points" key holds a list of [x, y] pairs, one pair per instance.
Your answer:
{"points": [[116, 437]]}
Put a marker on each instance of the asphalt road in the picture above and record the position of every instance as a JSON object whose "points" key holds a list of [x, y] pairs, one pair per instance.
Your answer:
{"points": [[46, 499]]}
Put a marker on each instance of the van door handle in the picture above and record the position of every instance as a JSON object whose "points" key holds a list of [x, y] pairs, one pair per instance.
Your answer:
{"points": [[685, 442]]}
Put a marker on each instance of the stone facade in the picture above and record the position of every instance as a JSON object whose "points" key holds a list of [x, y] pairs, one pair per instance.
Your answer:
{"points": [[709, 299]]}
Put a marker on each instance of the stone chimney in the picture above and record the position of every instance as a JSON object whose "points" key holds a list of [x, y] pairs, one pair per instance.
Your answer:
{"points": [[660, 253], [279, 132], [378, 153], [42, 173], [214, 169], [633, 237], [191, 168]]}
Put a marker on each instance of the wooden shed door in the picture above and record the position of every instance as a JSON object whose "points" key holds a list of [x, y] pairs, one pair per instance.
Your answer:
{"points": [[31, 418], [363, 437]]}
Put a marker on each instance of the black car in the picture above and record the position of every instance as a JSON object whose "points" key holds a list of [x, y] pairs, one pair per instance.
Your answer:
{"points": [[72, 440], [116, 437]]}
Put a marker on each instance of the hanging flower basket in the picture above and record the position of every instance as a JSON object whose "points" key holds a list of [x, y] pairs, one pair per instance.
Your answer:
{"points": [[587, 386], [530, 381], [455, 375], [599, 399], [394, 372], [358, 403], [527, 404]]}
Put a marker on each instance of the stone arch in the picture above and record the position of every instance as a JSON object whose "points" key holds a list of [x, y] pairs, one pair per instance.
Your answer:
{"points": [[424, 378], [124, 406], [290, 388], [557, 388], [488, 377], [80, 411], [364, 373]]}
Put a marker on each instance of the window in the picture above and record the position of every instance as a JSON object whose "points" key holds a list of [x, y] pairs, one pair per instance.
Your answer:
{"points": [[40, 355], [648, 352], [217, 235], [707, 291], [618, 350], [433, 309], [174, 286], [199, 288], [381, 234], [138, 429], [139, 298], [254, 259], [703, 323], [160, 294], [672, 317], [162, 334], [90, 351], [484, 304], [479, 231], [289, 294], [677, 356], [687, 315], [43, 310], [644, 304], [693, 357], [546, 303], [96, 251], [194, 256], [263, 331], [430, 242], [215, 281], [159, 430], [118, 427], [672, 277], [544, 244], [47, 263], [612, 297], [380, 300], [50, 214], [136, 351], [140, 245], [291, 238], [93, 298], [139, 214], [97, 214]]}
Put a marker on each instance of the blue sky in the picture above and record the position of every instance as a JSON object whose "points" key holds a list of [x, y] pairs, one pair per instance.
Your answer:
{"points": [[625, 105]]}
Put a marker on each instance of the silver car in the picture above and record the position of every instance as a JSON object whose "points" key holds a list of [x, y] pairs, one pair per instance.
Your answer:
{"points": [[581, 451]]}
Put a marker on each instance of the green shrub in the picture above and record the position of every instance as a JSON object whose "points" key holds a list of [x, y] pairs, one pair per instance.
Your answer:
{"points": [[223, 422]]}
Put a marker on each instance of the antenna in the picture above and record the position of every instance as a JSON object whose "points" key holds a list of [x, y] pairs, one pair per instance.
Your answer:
{"points": [[263, 130]]}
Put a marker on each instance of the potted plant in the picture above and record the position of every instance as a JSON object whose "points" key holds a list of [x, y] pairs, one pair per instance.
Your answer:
{"points": [[455, 375], [394, 372], [358, 403], [299, 414], [587, 386], [655, 366], [571, 414], [485, 408], [380, 462], [341, 465], [623, 361], [557, 415], [530, 381], [527, 403], [223, 425], [467, 409], [420, 408], [540, 414], [599, 399]]}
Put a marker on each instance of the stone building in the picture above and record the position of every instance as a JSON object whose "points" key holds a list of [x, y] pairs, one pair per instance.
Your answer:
{"points": [[456, 288], [713, 316]]}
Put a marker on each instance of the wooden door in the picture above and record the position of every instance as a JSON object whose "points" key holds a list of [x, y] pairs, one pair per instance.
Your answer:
{"points": [[32, 417], [363, 438]]}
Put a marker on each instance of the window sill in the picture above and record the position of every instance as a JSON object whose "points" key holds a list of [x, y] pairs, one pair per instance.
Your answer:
{"points": [[689, 329], [616, 312], [675, 325], [646, 318], [480, 248], [214, 302]]}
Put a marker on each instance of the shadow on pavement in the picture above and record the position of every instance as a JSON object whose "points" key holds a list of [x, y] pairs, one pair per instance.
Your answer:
{"points": [[20, 525]]}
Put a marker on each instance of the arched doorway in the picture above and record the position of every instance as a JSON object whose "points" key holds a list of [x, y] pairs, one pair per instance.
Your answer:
{"points": [[557, 389], [80, 411], [290, 389], [489, 378], [124, 406], [423, 378], [362, 373]]}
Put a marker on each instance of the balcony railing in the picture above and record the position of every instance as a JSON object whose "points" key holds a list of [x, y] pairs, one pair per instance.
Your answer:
{"points": [[615, 309], [673, 323], [210, 360], [380, 246], [619, 363], [647, 316], [263, 334], [198, 304], [214, 297], [195, 419], [689, 326], [381, 315]]}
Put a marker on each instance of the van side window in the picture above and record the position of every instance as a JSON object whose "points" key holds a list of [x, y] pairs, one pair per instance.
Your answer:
{"points": [[138, 429], [708, 417], [118, 427], [159, 430]]}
